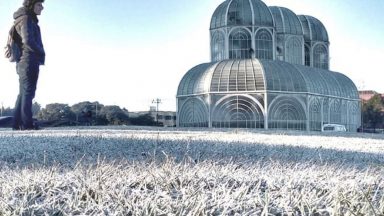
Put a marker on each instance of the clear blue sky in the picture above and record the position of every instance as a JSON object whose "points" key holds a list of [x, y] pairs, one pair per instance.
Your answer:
{"points": [[128, 52]]}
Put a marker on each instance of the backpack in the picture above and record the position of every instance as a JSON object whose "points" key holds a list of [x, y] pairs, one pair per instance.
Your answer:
{"points": [[13, 47]]}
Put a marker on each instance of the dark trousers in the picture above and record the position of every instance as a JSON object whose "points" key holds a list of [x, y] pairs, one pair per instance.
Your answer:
{"points": [[28, 75]]}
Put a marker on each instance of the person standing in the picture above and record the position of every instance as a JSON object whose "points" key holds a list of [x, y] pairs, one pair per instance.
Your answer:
{"points": [[32, 56]]}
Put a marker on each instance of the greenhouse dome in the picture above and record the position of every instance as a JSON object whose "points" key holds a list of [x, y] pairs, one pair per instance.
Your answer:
{"points": [[269, 69], [243, 13], [316, 42], [237, 26], [286, 21], [262, 84], [313, 29]]}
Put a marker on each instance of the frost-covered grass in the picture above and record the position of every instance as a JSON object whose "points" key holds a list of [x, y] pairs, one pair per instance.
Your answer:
{"points": [[151, 171]]}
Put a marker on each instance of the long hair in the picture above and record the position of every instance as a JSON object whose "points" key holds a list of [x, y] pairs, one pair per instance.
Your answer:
{"points": [[29, 4]]}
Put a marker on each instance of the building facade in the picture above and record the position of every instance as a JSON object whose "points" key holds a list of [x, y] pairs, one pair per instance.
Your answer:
{"points": [[366, 95], [269, 69], [163, 118]]}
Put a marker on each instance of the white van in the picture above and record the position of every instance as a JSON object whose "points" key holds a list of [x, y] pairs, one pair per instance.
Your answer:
{"points": [[334, 128]]}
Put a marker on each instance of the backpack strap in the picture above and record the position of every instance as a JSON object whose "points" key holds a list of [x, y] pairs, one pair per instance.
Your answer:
{"points": [[13, 32], [13, 39]]}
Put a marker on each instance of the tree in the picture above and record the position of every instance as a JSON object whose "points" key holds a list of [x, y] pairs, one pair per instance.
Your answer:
{"points": [[56, 112], [7, 111], [145, 119], [88, 113], [36, 107], [114, 115], [373, 111], [86, 106]]}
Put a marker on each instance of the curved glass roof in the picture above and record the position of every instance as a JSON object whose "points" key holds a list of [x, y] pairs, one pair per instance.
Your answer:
{"points": [[262, 14], [218, 18], [286, 21], [237, 75], [313, 28], [242, 12], [250, 75], [196, 80], [282, 76]]}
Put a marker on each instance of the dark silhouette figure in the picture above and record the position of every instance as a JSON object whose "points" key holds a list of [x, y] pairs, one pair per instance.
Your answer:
{"points": [[32, 56], [88, 117]]}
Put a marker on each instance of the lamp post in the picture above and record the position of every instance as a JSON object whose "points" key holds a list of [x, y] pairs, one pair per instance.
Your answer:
{"points": [[361, 94], [362, 115], [157, 101], [96, 109], [362, 106]]}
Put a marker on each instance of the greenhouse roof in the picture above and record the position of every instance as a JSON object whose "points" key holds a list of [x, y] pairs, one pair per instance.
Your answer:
{"points": [[253, 75], [242, 12], [314, 30]]}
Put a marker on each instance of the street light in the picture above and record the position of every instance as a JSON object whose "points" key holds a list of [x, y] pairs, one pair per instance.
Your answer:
{"points": [[362, 105], [362, 115], [157, 101]]}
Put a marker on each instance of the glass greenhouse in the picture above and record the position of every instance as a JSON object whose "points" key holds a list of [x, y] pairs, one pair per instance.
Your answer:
{"points": [[269, 70]]}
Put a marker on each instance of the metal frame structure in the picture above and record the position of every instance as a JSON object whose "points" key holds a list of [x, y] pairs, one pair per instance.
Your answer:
{"points": [[257, 77]]}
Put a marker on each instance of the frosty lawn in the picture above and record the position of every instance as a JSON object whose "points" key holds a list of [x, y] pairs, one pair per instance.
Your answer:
{"points": [[141, 171]]}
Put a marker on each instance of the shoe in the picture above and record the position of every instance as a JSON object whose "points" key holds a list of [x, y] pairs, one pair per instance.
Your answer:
{"points": [[33, 127], [16, 128]]}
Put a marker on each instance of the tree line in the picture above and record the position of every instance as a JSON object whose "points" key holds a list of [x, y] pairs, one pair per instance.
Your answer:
{"points": [[95, 113], [84, 113], [373, 112]]}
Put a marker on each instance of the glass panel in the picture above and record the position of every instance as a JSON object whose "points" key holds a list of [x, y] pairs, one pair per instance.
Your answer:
{"points": [[288, 114], [240, 44], [278, 19], [241, 77], [307, 56], [216, 77], [320, 57], [218, 47], [193, 114], [237, 112], [264, 45], [233, 76], [240, 13], [294, 51], [224, 79]]}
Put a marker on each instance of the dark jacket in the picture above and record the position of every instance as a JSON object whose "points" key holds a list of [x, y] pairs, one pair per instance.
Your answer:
{"points": [[28, 29]]}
